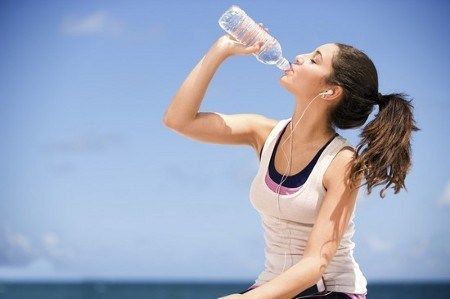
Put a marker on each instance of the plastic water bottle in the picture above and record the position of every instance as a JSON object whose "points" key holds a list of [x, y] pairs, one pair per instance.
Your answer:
{"points": [[240, 26]]}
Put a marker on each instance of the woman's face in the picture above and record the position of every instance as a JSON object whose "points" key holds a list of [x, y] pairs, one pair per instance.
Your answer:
{"points": [[306, 79]]}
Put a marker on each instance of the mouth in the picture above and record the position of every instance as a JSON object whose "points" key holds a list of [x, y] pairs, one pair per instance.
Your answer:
{"points": [[290, 70]]}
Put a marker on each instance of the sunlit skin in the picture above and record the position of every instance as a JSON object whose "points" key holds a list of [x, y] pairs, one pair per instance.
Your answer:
{"points": [[304, 82]]}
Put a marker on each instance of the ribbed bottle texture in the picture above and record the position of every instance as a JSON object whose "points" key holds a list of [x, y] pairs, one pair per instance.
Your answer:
{"points": [[240, 26]]}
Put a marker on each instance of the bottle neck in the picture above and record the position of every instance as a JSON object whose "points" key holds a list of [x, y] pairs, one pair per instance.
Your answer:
{"points": [[283, 64]]}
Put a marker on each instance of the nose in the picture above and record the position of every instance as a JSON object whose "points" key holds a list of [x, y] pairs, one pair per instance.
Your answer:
{"points": [[298, 60]]}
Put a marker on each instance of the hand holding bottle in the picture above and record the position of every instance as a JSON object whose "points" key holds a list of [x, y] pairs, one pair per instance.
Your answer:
{"points": [[246, 31], [230, 46]]}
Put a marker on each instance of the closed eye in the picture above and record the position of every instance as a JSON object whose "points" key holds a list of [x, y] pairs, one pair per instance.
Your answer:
{"points": [[312, 61]]}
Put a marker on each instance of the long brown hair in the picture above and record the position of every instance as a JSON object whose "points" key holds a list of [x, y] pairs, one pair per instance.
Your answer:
{"points": [[383, 156]]}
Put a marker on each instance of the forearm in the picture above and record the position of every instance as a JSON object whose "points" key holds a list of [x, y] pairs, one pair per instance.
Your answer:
{"points": [[296, 279], [186, 103]]}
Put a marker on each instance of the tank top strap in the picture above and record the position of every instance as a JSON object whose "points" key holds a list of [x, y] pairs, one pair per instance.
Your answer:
{"points": [[269, 144], [327, 157]]}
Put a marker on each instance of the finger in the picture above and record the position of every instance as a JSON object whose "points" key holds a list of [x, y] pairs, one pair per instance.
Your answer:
{"points": [[255, 48], [249, 50]]}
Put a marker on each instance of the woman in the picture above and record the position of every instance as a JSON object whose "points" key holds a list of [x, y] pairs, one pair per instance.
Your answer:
{"points": [[307, 197]]}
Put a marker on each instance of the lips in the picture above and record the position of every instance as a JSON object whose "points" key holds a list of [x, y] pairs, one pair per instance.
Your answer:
{"points": [[291, 69]]}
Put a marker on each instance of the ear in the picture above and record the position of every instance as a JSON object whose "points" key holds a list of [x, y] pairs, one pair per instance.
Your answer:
{"points": [[336, 95]]}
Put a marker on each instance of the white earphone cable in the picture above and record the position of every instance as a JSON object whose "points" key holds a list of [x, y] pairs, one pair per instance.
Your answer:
{"points": [[289, 167]]}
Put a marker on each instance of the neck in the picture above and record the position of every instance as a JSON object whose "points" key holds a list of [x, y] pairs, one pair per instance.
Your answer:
{"points": [[313, 126]]}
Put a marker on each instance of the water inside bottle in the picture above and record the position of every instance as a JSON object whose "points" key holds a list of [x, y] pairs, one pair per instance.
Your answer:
{"points": [[239, 25]]}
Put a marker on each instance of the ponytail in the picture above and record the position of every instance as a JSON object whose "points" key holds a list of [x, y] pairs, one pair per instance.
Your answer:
{"points": [[383, 156], [384, 152]]}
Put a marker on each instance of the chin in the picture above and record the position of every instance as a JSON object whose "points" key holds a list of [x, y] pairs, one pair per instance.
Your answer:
{"points": [[285, 83]]}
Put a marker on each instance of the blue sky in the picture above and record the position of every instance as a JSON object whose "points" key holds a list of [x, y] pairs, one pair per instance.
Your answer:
{"points": [[94, 186]]}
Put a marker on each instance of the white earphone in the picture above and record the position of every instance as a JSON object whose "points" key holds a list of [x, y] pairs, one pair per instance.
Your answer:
{"points": [[284, 176], [328, 92]]}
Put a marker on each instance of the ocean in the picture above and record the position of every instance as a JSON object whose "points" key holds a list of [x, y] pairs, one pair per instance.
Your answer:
{"points": [[186, 290]]}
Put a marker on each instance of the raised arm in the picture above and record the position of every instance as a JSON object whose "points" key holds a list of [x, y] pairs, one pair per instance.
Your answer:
{"points": [[183, 114]]}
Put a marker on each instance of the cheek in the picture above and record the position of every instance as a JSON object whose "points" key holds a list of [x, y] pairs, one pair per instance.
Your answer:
{"points": [[301, 81], [308, 78]]}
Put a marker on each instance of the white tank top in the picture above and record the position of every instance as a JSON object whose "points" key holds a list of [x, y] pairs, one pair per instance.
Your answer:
{"points": [[298, 212]]}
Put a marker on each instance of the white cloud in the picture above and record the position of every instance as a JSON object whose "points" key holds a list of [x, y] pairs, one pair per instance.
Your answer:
{"points": [[19, 241], [444, 199], [40, 269], [54, 250], [97, 22], [50, 240], [15, 248], [18, 250], [378, 244]]}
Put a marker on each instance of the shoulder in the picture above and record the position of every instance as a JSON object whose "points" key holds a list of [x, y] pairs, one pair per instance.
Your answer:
{"points": [[339, 169], [262, 130], [268, 123]]}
